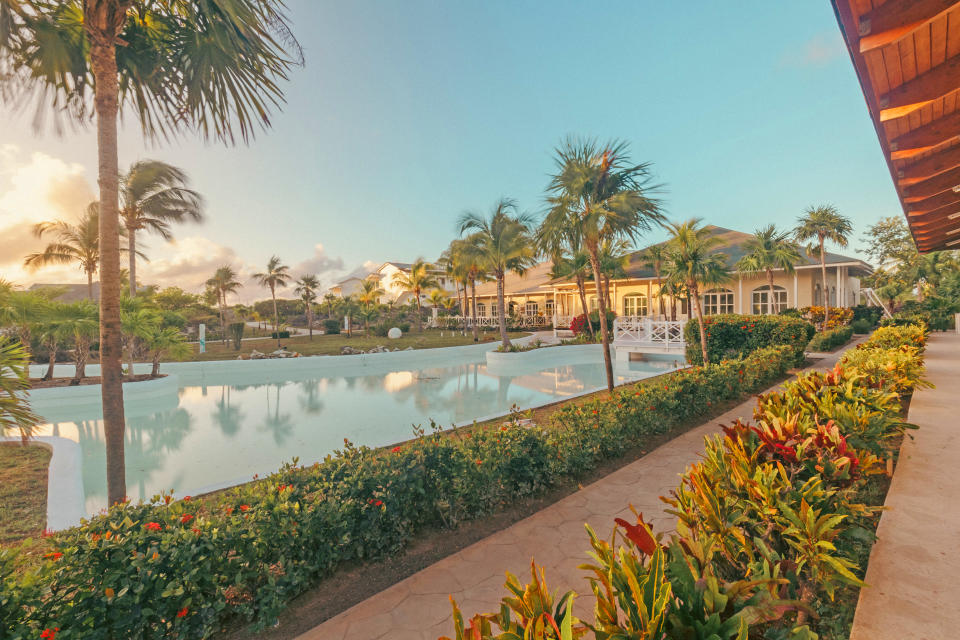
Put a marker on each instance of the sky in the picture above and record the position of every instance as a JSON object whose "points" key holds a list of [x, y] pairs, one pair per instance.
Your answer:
{"points": [[408, 113]]}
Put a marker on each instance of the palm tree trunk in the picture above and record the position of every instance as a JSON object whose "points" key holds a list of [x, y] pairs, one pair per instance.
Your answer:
{"points": [[416, 292], [52, 361], [222, 302], [80, 362], [694, 290], [604, 330], [502, 313], [276, 314], [90, 285], [770, 282], [473, 308], [826, 289], [155, 372], [103, 57], [310, 320], [582, 290], [132, 249], [663, 313]]}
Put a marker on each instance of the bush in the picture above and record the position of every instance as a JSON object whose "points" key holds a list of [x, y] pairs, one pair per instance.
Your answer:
{"points": [[732, 336], [839, 317], [579, 323], [862, 326], [830, 340], [282, 335], [235, 330], [331, 326], [868, 313], [182, 569], [380, 330], [404, 327]]}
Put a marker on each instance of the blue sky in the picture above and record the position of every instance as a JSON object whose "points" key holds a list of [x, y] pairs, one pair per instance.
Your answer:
{"points": [[407, 113]]}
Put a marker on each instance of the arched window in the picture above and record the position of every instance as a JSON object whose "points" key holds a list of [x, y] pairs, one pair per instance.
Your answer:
{"points": [[717, 301], [817, 296], [531, 309], [761, 299], [511, 308], [635, 304], [481, 310]]}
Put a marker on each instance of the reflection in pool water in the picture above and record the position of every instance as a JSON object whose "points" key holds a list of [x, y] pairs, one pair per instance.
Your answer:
{"points": [[213, 434]]}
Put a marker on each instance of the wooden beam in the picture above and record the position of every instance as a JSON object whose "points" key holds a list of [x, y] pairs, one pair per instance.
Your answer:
{"points": [[926, 87], [932, 186], [933, 203], [934, 224], [896, 19], [929, 135], [930, 166], [935, 214]]}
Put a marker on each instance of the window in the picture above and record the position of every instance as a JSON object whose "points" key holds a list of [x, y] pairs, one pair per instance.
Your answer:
{"points": [[549, 307], [717, 301], [512, 309], [761, 299], [818, 296], [531, 309], [481, 310], [494, 310], [833, 296], [592, 303], [635, 304]]}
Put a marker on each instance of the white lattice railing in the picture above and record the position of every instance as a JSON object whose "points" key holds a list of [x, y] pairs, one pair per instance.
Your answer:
{"points": [[466, 322], [642, 330]]}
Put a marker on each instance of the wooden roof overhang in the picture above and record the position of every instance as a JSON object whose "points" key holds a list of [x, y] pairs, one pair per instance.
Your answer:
{"points": [[907, 56]]}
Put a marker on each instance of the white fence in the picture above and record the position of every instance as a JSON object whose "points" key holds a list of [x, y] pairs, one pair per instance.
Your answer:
{"points": [[466, 322], [634, 330]]}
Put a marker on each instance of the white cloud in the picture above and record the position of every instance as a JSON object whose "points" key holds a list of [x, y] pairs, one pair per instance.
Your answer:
{"points": [[819, 50]]}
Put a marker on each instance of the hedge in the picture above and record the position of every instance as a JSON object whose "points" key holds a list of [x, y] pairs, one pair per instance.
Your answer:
{"points": [[732, 336], [774, 521], [830, 340], [184, 569]]}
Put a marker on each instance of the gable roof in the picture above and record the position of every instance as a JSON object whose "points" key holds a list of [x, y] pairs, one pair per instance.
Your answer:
{"points": [[529, 282]]}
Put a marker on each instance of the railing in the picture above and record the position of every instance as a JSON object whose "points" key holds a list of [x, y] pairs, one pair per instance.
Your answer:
{"points": [[647, 331], [466, 322], [872, 296]]}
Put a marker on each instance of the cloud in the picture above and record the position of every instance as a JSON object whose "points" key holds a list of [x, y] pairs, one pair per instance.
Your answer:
{"points": [[819, 50], [188, 263]]}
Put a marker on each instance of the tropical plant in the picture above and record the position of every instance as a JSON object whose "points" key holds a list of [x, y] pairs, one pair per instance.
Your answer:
{"points": [[696, 264], [306, 288], [166, 342], [78, 322], [370, 293], [766, 250], [568, 260], [15, 413], [223, 283], [438, 298], [468, 265], [418, 278], [214, 67], [655, 257], [502, 242], [138, 323], [600, 195], [153, 195], [822, 223], [276, 275], [73, 243]]}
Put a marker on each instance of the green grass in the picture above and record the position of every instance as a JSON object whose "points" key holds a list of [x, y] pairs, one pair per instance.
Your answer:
{"points": [[23, 492], [332, 344]]}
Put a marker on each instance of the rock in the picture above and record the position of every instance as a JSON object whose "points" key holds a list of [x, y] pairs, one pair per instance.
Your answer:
{"points": [[394, 333], [409, 349]]}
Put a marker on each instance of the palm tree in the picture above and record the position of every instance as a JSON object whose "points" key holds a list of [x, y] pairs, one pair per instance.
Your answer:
{"points": [[768, 249], [695, 264], [823, 223], [223, 283], [370, 293], [307, 290], [166, 342], [214, 67], [153, 195], [418, 278], [138, 324], [503, 242], [438, 298], [79, 322], [15, 413], [602, 196], [654, 257], [276, 275], [468, 268], [73, 243], [613, 264]]}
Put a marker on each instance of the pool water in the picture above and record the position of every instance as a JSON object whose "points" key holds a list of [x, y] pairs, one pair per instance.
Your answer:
{"points": [[219, 429]]}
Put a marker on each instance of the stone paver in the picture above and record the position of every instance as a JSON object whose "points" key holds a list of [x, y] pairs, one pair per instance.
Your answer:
{"points": [[914, 566], [417, 608]]}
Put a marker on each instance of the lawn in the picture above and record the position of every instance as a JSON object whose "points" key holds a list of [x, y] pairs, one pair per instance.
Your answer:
{"points": [[23, 492], [332, 344]]}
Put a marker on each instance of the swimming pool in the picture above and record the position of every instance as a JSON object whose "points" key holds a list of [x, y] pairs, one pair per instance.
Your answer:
{"points": [[215, 424]]}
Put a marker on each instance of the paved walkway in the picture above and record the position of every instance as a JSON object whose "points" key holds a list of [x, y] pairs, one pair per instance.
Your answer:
{"points": [[915, 564], [417, 608]]}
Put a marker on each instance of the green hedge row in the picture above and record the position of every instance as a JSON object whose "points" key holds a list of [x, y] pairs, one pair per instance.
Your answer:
{"points": [[183, 569], [830, 340], [735, 336]]}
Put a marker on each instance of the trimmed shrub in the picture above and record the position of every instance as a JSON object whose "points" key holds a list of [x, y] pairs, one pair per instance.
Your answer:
{"points": [[862, 326], [830, 340], [331, 326], [183, 569], [282, 335], [733, 336], [868, 313], [235, 331], [839, 317]]}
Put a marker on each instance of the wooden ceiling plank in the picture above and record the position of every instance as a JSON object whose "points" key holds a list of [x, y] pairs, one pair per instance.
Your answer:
{"points": [[937, 132], [892, 21], [933, 203], [932, 186], [931, 165], [910, 96], [938, 41]]}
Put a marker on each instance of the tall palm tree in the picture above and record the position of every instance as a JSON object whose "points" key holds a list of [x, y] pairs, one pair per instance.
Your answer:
{"points": [[223, 283], [370, 293], [575, 267], [613, 264], [822, 223], [73, 243], [469, 267], [655, 257], [276, 275], [602, 195], [215, 67], [438, 298], [307, 290], [153, 195], [568, 259], [416, 280], [138, 323], [503, 242], [768, 249], [695, 264]]}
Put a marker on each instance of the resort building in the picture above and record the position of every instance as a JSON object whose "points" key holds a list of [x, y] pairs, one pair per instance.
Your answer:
{"points": [[538, 300], [385, 275]]}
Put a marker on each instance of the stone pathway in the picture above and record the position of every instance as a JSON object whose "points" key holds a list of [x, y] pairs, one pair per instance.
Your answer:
{"points": [[914, 566], [417, 608]]}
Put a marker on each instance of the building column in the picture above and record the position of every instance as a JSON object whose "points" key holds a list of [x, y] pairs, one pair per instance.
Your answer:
{"points": [[650, 297], [740, 294], [796, 290], [839, 287]]}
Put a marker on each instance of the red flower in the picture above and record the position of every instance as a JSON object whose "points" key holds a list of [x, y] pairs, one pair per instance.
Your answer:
{"points": [[50, 634], [229, 510], [56, 555], [182, 613], [46, 533], [153, 526], [479, 461], [167, 498], [378, 503], [244, 507], [195, 530], [186, 498], [396, 449], [185, 518]]}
